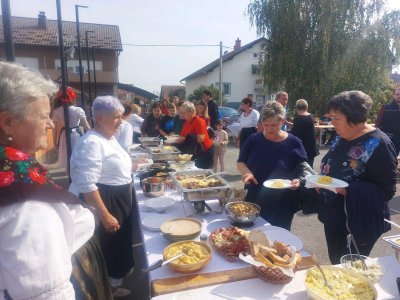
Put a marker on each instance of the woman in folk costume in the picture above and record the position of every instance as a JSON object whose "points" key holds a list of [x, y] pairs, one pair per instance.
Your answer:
{"points": [[46, 250]]}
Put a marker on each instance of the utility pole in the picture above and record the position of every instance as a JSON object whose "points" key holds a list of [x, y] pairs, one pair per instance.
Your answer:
{"points": [[64, 87], [78, 36], [94, 71], [88, 65], [220, 73], [8, 36]]}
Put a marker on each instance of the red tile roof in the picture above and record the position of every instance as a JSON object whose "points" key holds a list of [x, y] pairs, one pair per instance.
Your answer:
{"points": [[27, 32]]}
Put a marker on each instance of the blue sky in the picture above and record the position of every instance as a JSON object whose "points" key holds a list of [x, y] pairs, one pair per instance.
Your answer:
{"points": [[184, 22]]}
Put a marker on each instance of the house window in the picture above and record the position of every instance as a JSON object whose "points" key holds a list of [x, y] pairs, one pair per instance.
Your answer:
{"points": [[226, 88], [255, 69], [255, 55], [77, 70]]}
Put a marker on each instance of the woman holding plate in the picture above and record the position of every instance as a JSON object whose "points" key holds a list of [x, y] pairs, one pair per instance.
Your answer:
{"points": [[365, 158], [272, 154]]}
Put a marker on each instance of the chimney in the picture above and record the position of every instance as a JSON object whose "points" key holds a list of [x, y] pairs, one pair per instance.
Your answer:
{"points": [[42, 20], [237, 44]]}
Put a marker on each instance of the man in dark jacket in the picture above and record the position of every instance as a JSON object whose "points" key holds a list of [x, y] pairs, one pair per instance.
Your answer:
{"points": [[388, 120], [212, 108]]}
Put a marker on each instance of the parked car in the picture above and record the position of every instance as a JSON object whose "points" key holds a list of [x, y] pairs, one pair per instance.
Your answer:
{"points": [[227, 113]]}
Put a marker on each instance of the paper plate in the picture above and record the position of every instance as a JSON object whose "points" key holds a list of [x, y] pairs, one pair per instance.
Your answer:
{"points": [[277, 184], [181, 227], [275, 233], [153, 222], [159, 204], [336, 183]]}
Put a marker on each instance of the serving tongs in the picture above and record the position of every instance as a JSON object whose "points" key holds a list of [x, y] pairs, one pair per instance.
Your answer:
{"points": [[215, 174], [350, 240]]}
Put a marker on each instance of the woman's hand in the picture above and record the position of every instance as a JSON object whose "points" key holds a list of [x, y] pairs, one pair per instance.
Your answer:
{"points": [[341, 191], [248, 178], [110, 223], [295, 184]]}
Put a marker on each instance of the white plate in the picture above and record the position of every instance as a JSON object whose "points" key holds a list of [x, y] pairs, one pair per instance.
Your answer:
{"points": [[159, 204], [154, 222], [394, 240], [336, 183], [275, 233], [269, 184]]}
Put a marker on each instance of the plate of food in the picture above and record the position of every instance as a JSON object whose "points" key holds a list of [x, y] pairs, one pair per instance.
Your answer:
{"points": [[230, 241], [323, 181], [393, 240], [277, 184], [275, 233]]}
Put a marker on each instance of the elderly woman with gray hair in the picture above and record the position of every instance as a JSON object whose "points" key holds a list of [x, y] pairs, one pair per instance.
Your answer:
{"points": [[365, 158], [46, 250], [272, 154], [101, 173]]}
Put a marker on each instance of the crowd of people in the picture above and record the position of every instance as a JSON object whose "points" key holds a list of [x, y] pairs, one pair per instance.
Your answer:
{"points": [[87, 250]]}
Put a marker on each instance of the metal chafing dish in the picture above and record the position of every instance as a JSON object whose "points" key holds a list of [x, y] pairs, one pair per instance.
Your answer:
{"points": [[147, 141], [164, 153], [200, 194]]}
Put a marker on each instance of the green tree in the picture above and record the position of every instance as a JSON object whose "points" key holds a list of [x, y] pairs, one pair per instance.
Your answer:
{"points": [[198, 93], [318, 48]]}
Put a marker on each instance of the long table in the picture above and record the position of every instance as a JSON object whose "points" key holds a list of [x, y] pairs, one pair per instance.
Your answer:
{"points": [[221, 279], [256, 289], [165, 280]]}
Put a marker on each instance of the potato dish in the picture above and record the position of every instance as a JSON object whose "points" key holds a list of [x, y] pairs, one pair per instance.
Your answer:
{"points": [[324, 180], [345, 284], [193, 253], [198, 181], [278, 184], [243, 209], [184, 157]]}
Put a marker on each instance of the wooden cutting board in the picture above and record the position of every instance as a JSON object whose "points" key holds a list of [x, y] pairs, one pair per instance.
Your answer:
{"points": [[192, 281]]}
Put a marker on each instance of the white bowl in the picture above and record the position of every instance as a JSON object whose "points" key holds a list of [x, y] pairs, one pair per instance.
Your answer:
{"points": [[159, 204]]}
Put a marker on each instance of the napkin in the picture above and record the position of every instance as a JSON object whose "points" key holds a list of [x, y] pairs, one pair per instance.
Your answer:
{"points": [[311, 185]]}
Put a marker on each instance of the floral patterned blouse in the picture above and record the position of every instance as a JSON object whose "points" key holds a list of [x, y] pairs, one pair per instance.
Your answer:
{"points": [[370, 158]]}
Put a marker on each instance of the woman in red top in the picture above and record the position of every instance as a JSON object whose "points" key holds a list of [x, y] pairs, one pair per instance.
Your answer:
{"points": [[164, 107], [194, 135]]}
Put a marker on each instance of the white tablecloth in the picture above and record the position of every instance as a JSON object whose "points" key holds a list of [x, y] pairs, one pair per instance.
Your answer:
{"points": [[154, 242], [256, 289]]}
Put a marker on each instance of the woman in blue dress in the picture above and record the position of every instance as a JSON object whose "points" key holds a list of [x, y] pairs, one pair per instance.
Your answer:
{"points": [[272, 154]]}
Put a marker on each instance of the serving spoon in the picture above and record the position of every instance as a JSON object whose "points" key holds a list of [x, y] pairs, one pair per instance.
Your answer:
{"points": [[161, 262], [322, 272]]}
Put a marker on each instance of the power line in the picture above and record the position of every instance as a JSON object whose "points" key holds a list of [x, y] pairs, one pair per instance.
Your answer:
{"points": [[169, 45]]}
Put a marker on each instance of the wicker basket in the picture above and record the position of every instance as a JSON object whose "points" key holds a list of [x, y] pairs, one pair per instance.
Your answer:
{"points": [[272, 275]]}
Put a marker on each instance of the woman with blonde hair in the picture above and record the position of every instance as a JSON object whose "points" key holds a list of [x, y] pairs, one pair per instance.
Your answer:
{"points": [[202, 111], [272, 154], [194, 134], [136, 122]]}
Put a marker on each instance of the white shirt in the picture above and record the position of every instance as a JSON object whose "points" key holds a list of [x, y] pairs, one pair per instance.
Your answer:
{"points": [[37, 241], [124, 135], [250, 120], [136, 122], [96, 159]]}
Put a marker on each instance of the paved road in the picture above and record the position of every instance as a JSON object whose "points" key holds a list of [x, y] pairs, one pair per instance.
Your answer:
{"points": [[307, 227]]}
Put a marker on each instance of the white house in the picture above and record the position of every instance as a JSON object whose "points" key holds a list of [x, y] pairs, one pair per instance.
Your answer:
{"points": [[240, 74]]}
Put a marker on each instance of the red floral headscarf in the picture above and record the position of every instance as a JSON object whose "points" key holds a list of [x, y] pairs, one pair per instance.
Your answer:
{"points": [[22, 178]]}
